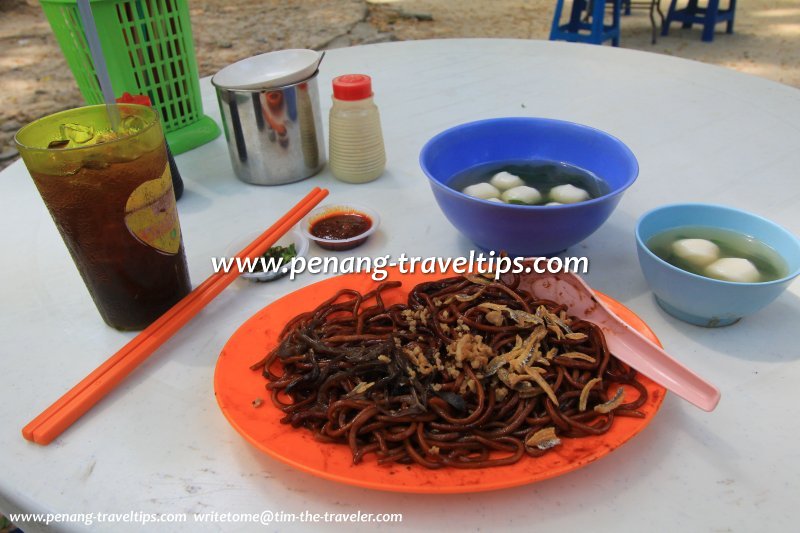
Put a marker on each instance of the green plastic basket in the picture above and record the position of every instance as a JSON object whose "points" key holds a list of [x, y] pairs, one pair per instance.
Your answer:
{"points": [[148, 47]]}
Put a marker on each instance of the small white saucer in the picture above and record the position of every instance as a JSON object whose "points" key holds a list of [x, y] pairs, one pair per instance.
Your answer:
{"points": [[294, 236]]}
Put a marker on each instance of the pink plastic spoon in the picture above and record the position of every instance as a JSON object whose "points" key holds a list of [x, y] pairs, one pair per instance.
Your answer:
{"points": [[625, 343]]}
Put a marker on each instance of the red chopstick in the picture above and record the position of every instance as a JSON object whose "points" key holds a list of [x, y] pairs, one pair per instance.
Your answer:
{"points": [[54, 420]]}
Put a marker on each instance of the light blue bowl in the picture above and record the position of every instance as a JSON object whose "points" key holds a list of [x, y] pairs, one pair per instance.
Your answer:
{"points": [[706, 301], [523, 230]]}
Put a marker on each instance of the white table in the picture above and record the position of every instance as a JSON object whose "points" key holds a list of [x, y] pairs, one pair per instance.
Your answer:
{"points": [[159, 444]]}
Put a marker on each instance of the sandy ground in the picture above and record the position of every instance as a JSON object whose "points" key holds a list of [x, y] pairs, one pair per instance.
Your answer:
{"points": [[35, 81]]}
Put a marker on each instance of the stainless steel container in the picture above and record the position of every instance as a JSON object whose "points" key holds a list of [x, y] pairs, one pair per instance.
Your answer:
{"points": [[274, 135]]}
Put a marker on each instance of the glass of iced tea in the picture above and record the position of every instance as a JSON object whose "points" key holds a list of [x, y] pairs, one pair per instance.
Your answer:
{"points": [[109, 191]]}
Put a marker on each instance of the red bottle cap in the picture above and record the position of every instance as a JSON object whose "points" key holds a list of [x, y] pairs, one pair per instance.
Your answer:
{"points": [[128, 98], [352, 87]]}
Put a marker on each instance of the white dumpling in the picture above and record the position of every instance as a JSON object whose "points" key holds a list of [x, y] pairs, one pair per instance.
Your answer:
{"points": [[553, 203], [522, 195], [498, 200], [698, 252], [506, 180], [568, 194], [483, 191], [733, 269]]}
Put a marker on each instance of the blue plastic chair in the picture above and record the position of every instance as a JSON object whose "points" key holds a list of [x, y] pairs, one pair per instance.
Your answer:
{"points": [[579, 28], [708, 16]]}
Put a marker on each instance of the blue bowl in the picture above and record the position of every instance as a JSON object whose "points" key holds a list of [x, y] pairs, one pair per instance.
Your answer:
{"points": [[523, 230], [706, 301]]}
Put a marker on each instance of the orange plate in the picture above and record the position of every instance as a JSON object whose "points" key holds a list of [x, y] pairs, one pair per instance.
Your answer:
{"points": [[236, 386]]}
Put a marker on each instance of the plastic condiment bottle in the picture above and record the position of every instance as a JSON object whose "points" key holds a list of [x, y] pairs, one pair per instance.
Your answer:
{"points": [[356, 152]]}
